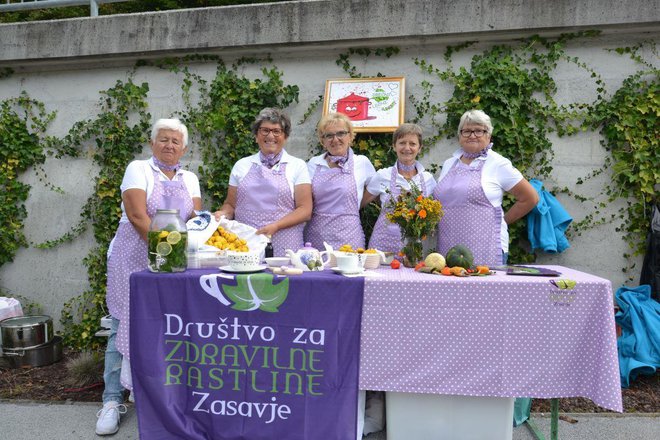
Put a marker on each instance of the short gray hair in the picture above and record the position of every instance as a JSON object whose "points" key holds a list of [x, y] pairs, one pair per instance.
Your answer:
{"points": [[275, 116], [170, 124], [477, 117], [406, 129]]}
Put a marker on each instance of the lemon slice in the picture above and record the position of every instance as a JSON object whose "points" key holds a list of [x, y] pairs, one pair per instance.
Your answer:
{"points": [[163, 248], [163, 234], [174, 237]]}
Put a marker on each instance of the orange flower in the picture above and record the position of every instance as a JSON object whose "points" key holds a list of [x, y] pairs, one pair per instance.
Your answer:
{"points": [[412, 212], [419, 198], [422, 213]]}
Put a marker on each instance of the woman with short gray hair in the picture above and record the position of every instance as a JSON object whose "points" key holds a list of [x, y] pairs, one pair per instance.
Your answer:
{"points": [[471, 188]]}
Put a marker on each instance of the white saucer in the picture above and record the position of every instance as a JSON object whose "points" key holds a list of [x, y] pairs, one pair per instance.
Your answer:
{"points": [[338, 270], [259, 268]]}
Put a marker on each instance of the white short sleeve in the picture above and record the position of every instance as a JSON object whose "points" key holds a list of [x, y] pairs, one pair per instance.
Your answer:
{"points": [[135, 176]]}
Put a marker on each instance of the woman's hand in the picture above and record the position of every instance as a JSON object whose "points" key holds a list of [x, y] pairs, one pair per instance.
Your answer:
{"points": [[269, 229]]}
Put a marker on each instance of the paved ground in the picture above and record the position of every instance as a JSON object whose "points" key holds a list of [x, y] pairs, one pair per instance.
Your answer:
{"points": [[40, 421]]}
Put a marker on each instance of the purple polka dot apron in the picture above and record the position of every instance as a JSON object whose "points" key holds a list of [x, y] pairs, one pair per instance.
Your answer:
{"points": [[470, 219], [386, 236], [129, 252], [336, 214], [263, 197]]}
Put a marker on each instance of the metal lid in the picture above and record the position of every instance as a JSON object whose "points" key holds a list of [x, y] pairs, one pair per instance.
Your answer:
{"points": [[167, 211], [22, 321]]}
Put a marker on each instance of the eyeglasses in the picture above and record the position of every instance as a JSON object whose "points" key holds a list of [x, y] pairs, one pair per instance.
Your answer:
{"points": [[477, 133], [338, 135], [266, 131]]}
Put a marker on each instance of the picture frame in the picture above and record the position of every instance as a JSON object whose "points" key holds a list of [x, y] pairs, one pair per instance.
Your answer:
{"points": [[372, 104]]}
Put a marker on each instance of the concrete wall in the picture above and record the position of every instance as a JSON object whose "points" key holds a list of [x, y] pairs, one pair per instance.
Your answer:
{"points": [[66, 63]]}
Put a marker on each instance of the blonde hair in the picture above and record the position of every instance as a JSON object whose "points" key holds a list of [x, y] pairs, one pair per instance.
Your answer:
{"points": [[335, 118]]}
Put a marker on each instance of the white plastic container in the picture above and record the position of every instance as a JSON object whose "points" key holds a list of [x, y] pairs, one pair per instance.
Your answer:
{"points": [[413, 416]]}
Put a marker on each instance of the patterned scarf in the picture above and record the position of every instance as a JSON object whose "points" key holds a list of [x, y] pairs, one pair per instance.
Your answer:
{"points": [[406, 168], [481, 153], [341, 160], [269, 160], [164, 166]]}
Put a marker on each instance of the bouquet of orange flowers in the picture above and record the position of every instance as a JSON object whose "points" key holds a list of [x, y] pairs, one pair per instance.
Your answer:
{"points": [[417, 217]]}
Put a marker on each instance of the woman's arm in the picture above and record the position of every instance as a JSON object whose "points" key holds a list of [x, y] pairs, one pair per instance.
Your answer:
{"points": [[197, 205], [526, 199], [135, 205], [228, 207], [367, 198], [302, 195]]}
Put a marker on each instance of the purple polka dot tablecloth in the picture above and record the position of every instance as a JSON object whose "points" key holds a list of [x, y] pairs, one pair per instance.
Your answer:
{"points": [[499, 335]]}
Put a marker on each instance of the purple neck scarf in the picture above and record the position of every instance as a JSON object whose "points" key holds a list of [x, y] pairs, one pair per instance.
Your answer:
{"points": [[481, 153], [406, 168], [339, 160], [165, 167], [270, 160]]}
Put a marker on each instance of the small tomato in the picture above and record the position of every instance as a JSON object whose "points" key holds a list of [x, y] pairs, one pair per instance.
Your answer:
{"points": [[395, 264], [420, 265]]}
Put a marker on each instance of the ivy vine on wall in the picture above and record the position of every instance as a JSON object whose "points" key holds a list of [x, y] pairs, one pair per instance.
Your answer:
{"points": [[629, 123], [118, 133], [22, 146]]}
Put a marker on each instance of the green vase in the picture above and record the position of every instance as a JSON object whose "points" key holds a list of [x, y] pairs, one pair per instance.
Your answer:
{"points": [[413, 251]]}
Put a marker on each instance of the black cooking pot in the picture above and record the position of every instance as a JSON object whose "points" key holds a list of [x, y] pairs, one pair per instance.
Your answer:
{"points": [[40, 356], [26, 331]]}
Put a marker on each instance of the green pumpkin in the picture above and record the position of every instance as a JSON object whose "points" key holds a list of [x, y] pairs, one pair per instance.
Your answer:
{"points": [[460, 256]]}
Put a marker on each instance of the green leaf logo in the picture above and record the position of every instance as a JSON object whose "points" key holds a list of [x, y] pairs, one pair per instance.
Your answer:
{"points": [[257, 292]]}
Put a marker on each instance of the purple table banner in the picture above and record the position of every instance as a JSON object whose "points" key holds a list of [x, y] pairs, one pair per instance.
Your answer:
{"points": [[228, 357]]}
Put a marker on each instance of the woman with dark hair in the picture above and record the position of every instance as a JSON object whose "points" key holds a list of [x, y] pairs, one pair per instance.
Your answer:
{"points": [[271, 190]]}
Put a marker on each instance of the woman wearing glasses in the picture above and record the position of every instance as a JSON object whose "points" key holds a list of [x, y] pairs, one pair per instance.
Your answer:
{"points": [[471, 187], [271, 190], [389, 182], [338, 178]]}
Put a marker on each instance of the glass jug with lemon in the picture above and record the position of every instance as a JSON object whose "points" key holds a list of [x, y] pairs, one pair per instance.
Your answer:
{"points": [[167, 242]]}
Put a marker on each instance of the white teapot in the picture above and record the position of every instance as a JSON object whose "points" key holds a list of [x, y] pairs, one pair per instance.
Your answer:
{"points": [[308, 258]]}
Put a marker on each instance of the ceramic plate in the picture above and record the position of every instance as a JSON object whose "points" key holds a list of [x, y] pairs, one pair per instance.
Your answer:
{"points": [[338, 270], [258, 268]]}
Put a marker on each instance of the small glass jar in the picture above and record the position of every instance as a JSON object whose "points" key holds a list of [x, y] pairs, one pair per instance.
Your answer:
{"points": [[167, 242]]}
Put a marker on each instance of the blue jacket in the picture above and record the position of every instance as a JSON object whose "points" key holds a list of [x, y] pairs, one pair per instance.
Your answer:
{"points": [[547, 222], [639, 343]]}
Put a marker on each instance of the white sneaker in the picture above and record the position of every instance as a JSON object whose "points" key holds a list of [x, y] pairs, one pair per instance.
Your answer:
{"points": [[108, 418]]}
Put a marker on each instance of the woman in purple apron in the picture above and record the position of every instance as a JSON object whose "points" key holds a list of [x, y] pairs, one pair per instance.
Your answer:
{"points": [[471, 188], [388, 183], [338, 180], [271, 190], [148, 185]]}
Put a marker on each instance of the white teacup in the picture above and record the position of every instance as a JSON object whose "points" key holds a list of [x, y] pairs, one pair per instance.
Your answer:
{"points": [[243, 260], [349, 263]]}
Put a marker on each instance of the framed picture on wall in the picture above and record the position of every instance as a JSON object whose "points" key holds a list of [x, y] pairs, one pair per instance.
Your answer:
{"points": [[372, 104]]}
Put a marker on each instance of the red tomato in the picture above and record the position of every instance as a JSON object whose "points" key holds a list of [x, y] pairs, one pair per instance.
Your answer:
{"points": [[395, 264], [420, 265]]}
